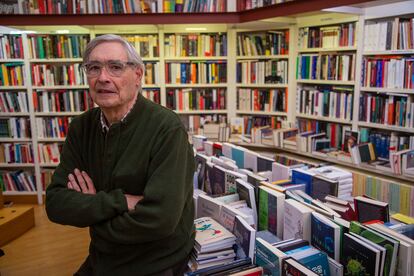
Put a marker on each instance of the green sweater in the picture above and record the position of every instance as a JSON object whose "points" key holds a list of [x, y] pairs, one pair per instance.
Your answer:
{"points": [[147, 154]]}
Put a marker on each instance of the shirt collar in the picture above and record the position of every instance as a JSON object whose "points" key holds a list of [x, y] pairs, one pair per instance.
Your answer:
{"points": [[104, 124]]}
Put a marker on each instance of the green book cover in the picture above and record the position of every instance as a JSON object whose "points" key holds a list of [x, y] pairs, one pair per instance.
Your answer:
{"points": [[263, 210], [390, 245]]}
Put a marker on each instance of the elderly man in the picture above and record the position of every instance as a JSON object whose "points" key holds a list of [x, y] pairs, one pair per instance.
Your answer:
{"points": [[126, 172]]}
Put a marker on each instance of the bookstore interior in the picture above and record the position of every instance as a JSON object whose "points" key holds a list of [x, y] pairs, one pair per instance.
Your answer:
{"points": [[301, 114]]}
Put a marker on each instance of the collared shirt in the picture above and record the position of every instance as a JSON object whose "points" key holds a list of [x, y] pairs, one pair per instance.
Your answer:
{"points": [[105, 127]]}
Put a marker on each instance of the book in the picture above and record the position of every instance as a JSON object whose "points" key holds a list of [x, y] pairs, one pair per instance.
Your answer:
{"points": [[211, 236], [406, 248], [359, 257], [369, 209], [322, 186], [297, 220], [245, 238], [271, 209], [292, 267], [268, 257], [391, 245], [326, 235], [246, 192]]}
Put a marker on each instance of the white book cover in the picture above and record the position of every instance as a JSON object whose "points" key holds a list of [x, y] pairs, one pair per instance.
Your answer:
{"points": [[245, 238], [250, 160], [210, 235], [297, 221], [208, 207]]}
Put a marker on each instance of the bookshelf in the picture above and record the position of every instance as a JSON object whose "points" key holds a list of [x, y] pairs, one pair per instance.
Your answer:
{"points": [[326, 74], [386, 88], [175, 47], [262, 76]]}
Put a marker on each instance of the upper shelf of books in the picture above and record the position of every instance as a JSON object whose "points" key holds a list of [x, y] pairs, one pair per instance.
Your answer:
{"points": [[35, 12]]}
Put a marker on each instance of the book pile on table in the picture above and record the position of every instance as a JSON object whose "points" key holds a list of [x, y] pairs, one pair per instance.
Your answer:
{"points": [[213, 244]]}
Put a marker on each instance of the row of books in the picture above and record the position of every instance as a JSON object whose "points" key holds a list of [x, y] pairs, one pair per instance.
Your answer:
{"points": [[170, 6], [12, 74], [11, 153], [195, 45], [11, 46], [52, 127], [340, 67], [261, 72], [398, 196], [254, 4], [343, 35], [269, 100], [117, 7], [15, 127], [81, 7], [57, 46], [319, 101], [152, 75], [194, 123], [49, 153], [13, 101], [203, 72], [388, 109], [196, 99], [395, 34], [62, 74], [388, 72], [263, 44], [62, 101], [145, 45], [152, 94], [17, 181], [46, 177], [23, 180], [333, 133]]}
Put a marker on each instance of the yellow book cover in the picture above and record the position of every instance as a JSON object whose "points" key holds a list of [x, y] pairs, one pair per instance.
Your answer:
{"points": [[5, 75], [403, 218], [405, 198]]}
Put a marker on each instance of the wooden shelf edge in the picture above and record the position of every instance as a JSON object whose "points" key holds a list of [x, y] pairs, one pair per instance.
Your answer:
{"points": [[118, 19], [281, 9]]}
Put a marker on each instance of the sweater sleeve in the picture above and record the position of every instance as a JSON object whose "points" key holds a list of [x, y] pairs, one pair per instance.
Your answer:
{"points": [[166, 194], [70, 207]]}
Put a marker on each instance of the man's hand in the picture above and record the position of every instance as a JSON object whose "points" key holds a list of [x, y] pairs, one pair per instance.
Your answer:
{"points": [[132, 200], [81, 182]]}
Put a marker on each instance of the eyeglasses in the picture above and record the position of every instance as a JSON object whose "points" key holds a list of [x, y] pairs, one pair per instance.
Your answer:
{"points": [[114, 68]]}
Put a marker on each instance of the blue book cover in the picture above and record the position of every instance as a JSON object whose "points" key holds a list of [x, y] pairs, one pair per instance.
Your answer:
{"points": [[318, 263], [326, 237], [238, 156], [302, 177], [268, 257]]}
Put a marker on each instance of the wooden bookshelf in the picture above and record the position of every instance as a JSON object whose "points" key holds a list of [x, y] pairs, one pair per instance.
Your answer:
{"points": [[366, 169]]}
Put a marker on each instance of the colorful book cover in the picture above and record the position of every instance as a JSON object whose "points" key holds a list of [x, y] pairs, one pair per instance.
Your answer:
{"points": [[359, 258], [326, 235]]}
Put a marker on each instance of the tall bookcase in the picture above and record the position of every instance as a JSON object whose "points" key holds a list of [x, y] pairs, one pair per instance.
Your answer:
{"points": [[326, 75], [262, 76], [386, 107]]}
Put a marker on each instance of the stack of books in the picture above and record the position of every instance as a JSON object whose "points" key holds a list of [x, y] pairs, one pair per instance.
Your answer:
{"points": [[213, 244]]}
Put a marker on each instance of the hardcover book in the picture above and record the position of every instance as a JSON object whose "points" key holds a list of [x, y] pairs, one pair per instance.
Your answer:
{"points": [[368, 209], [292, 267], [326, 235], [359, 258]]}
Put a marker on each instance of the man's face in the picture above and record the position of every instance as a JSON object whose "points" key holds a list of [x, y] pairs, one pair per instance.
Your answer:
{"points": [[110, 92]]}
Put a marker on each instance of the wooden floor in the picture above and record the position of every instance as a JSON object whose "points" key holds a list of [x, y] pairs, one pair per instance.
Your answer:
{"points": [[47, 249]]}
